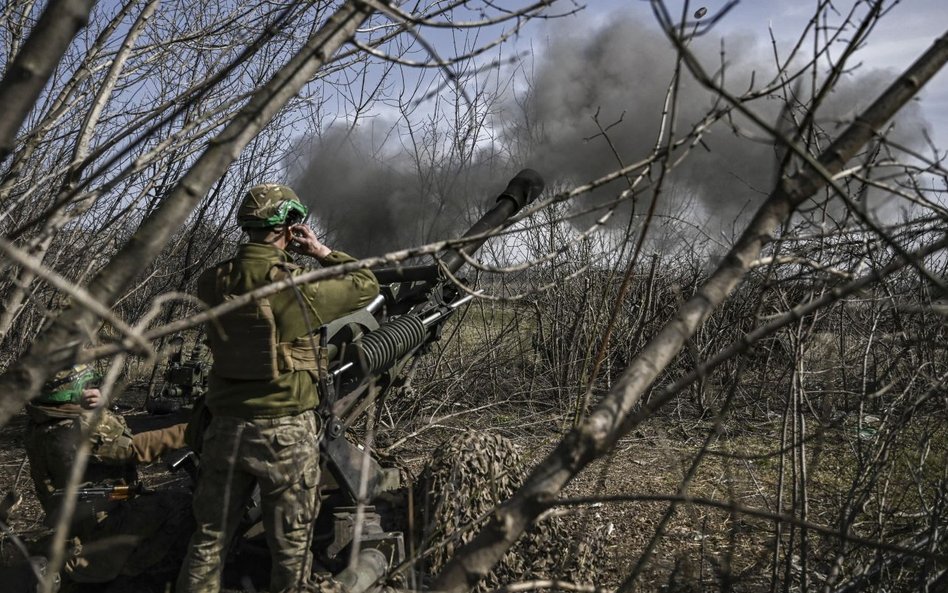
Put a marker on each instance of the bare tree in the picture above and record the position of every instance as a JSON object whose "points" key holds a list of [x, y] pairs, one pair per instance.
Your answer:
{"points": [[606, 303], [619, 410], [155, 151]]}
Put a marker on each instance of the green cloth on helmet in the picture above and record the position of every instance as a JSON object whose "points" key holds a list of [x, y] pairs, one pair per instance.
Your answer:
{"points": [[269, 205], [67, 385], [257, 265]]}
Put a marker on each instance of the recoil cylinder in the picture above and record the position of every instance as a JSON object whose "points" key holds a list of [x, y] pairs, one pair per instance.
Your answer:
{"points": [[377, 351]]}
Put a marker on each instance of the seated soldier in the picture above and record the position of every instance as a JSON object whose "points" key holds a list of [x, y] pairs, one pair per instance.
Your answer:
{"points": [[113, 533]]}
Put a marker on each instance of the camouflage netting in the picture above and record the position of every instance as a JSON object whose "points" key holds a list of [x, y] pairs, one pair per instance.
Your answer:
{"points": [[467, 477]]}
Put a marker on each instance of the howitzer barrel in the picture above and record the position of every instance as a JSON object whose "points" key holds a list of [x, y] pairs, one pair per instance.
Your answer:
{"points": [[520, 191]]}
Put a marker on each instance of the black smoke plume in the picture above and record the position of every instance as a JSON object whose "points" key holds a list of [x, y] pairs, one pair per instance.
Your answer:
{"points": [[369, 204], [370, 199], [620, 73]]}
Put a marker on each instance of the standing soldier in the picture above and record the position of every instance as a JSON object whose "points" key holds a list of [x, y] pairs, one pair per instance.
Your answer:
{"points": [[262, 391]]}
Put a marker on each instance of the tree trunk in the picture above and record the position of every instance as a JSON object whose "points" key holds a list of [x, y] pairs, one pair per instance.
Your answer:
{"points": [[34, 64]]}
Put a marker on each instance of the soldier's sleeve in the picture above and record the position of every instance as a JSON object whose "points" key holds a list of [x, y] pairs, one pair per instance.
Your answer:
{"points": [[152, 444], [334, 297]]}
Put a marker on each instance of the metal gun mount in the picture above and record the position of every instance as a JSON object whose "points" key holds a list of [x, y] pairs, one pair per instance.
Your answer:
{"points": [[368, 350], [391, 544], [185, 379]]}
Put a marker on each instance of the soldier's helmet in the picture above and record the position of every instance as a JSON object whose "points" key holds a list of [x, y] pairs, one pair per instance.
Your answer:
{"points": [[66, 386], [270, 205]]}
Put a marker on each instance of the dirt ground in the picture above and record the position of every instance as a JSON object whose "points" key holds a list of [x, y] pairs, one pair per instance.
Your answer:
{"points": [[702, 548]]}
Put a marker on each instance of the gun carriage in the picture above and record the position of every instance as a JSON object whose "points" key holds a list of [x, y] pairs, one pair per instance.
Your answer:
{"points": [[185, 378], [368, 351]]}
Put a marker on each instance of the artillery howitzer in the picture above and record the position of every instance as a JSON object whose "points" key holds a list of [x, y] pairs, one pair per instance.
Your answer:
{"points": [[367, 352], [185, 378]]}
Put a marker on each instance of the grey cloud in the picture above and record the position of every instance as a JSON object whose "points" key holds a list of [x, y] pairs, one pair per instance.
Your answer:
{"points": [[622, 72]]}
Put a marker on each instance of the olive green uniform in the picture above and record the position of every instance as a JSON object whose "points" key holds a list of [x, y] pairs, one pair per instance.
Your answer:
{"points": [[264, 430], [109, 538]]}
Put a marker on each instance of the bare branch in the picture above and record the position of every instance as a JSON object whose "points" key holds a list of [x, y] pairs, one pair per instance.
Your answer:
{"points": [[605, 424], [35, 62]]}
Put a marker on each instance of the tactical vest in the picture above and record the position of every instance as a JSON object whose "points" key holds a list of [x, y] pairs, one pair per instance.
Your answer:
{"points": [[111, 439], [244, 342]]}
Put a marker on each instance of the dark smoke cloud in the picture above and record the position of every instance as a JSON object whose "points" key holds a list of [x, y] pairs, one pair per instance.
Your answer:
{"points": [[622, 71], [370, 204], [359, 203]]}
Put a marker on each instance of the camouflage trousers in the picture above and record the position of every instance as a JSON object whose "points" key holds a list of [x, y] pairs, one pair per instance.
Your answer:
{"points": [[281, 455]]}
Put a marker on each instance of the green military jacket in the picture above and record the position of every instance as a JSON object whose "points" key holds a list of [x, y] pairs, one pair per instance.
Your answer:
{"points": [[295, 313]]}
